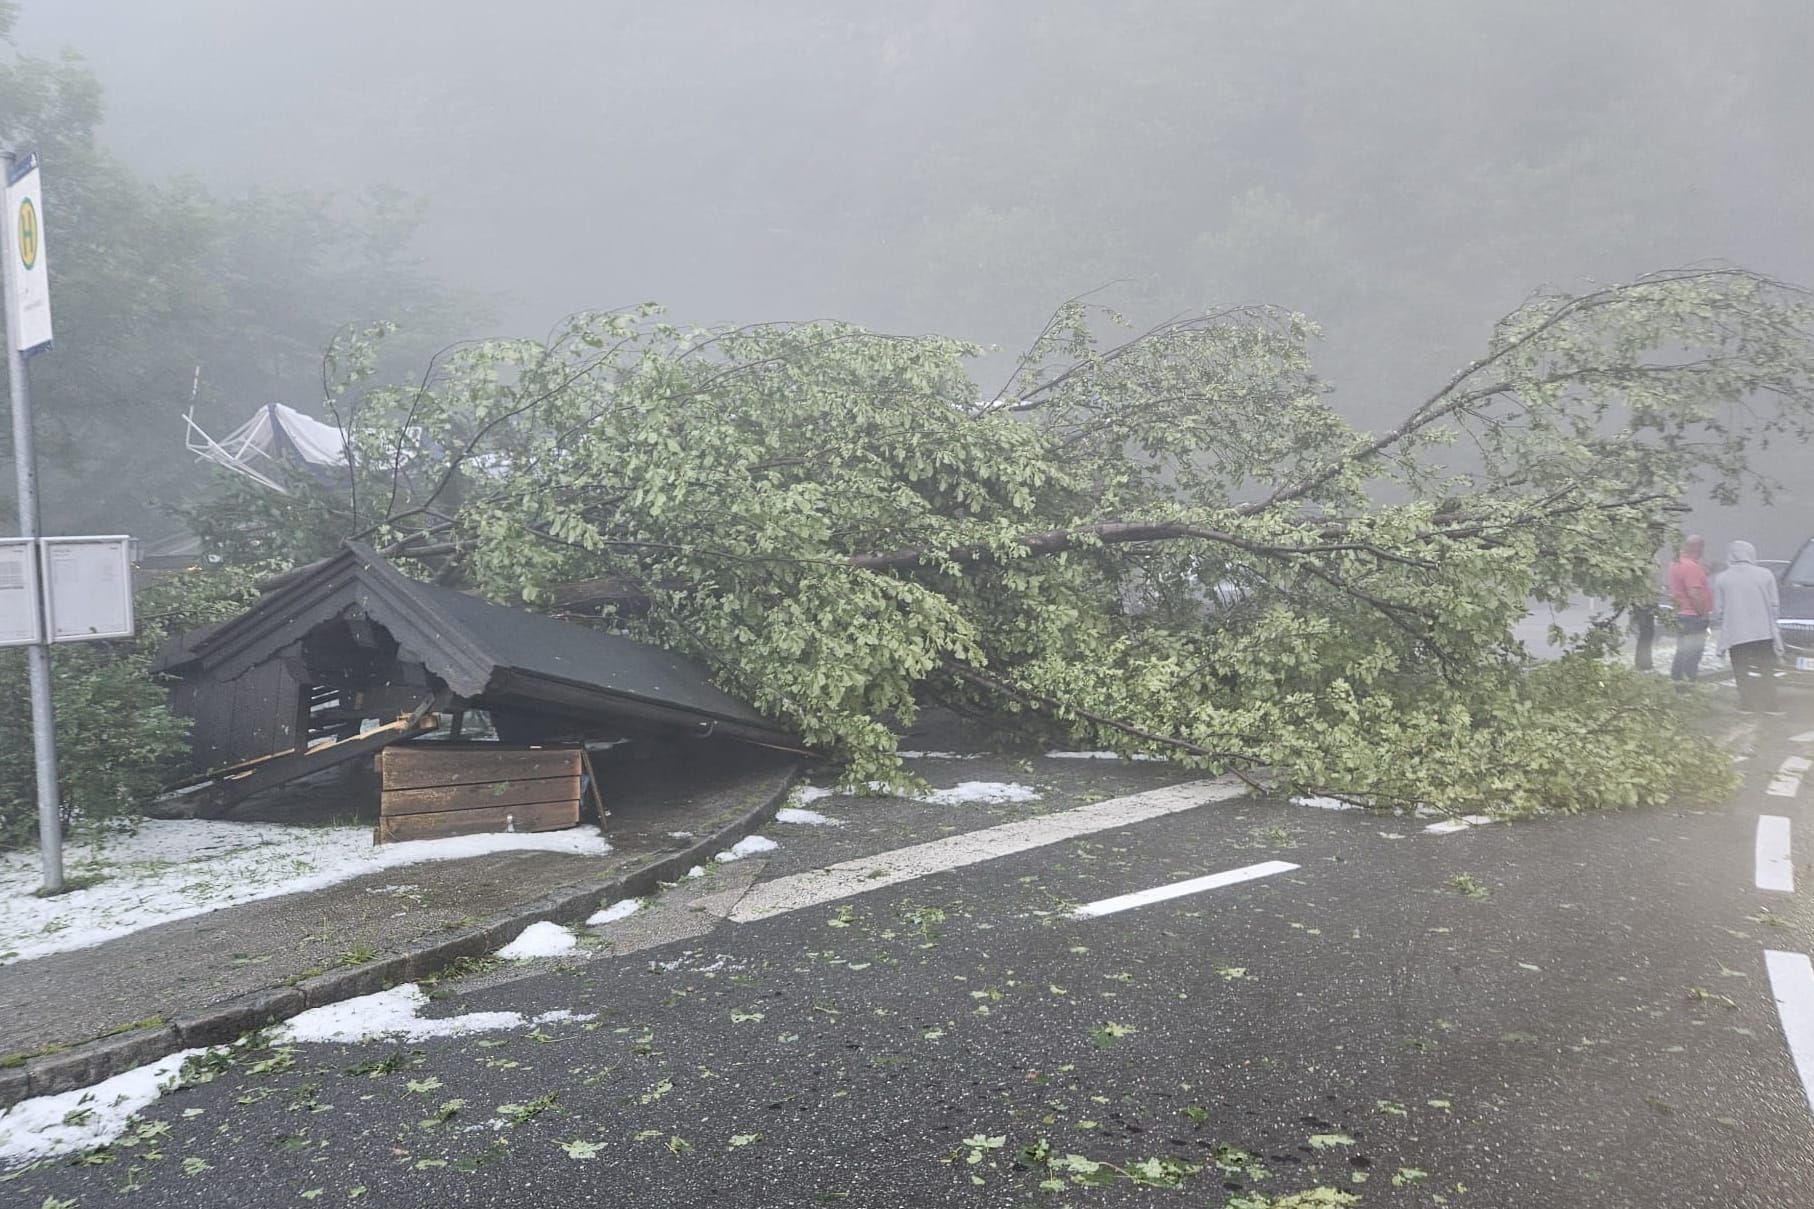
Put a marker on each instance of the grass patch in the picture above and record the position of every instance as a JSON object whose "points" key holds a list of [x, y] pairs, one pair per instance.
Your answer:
{"points": [[328, 823], [80, 881], [302, 976], [358, 955], [136, 1025], [15, 1060]]}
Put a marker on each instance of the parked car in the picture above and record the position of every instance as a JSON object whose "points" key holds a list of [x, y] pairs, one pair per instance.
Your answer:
{"points": [[1796, 583]]}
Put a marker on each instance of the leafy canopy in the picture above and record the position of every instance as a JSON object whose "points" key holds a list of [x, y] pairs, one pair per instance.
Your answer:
{"points": [[1169, 544]]}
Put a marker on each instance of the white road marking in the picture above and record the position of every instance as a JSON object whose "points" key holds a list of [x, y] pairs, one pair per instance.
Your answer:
{"points": [[1787, 781], [1806, 736], [1460, 824], [1792, 982], [1775, 869], [1158, 894], [868, 873], [1320, 802]]}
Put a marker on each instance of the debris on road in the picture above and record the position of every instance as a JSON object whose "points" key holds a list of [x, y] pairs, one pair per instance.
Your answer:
{"points": [[1461, 824], [397, 1013], [805, 818], [749, 845], [73, 1122], [986, 792], [1103, 755], [540, 939], [623, 908], [1319, 802]]}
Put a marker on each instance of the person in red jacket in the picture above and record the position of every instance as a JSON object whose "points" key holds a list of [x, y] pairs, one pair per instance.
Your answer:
{"points": [[1693, 606]]}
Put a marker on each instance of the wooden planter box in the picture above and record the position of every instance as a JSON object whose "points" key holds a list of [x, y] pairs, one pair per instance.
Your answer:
{"points": [[434, 790]]}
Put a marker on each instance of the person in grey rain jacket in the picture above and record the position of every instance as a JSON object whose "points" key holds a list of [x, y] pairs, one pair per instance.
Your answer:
{"points": [[1745, 607]]}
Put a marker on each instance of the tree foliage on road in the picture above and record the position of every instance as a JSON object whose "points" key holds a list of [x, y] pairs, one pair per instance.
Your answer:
{"points": [[1166, 544]]}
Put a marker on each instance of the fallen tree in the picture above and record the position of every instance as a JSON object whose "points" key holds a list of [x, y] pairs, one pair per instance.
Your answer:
{"points": [[1169, 544]]}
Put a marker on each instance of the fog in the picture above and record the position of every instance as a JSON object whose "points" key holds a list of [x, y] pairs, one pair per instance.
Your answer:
{"points": [[1404, 173]]}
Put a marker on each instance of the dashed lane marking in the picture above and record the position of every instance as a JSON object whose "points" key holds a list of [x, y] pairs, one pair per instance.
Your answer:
{"points": [[1158, 894], [1775, 868], [1792, 982], [868, 873], [1787, 781], [1460, 824]]}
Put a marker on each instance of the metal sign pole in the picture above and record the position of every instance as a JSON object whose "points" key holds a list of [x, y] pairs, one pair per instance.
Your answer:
{"points": [[25, 467]]}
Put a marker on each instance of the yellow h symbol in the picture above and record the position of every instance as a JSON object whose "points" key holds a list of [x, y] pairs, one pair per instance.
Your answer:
{"points": [[28, 234]]}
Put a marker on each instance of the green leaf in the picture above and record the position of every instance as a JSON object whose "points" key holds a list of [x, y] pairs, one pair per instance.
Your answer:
{"points": [[1106, 1035]]}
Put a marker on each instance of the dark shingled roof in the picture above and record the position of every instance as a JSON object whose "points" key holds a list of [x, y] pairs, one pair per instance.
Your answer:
{"points": [[534, 645], [486, 653]]}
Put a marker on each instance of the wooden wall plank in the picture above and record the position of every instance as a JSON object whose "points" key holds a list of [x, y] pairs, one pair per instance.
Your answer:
{"points": [[478, 797], [257, 714], [542, 816], [426, 765]]}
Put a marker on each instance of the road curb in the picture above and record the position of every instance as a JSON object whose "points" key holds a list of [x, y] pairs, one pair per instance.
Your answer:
{"points": [[573, 906], [89, 1063], [82, 1065], [228, 1021]]}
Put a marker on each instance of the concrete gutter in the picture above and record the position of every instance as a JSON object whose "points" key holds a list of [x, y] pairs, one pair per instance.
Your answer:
{"points": [[225, 1022]]}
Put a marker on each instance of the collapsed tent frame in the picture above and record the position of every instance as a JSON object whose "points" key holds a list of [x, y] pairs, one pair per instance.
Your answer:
{"points": [[276, 432]]}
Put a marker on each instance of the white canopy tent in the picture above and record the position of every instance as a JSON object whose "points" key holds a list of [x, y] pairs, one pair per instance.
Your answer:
{"points": [[274, 432]]}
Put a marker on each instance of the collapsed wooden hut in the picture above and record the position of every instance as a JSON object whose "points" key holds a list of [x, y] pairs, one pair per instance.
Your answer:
{"points": [[349, 659]]}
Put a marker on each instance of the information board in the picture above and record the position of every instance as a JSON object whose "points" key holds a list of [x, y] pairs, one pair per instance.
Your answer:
{"points": [[20, 618], [88, 587]]}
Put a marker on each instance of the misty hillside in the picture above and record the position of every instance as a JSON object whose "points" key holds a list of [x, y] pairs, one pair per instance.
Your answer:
{"points": [[1403, 173]]}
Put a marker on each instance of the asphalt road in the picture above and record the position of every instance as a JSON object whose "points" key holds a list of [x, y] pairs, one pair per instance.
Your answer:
{"points": [[1573, 1013]]}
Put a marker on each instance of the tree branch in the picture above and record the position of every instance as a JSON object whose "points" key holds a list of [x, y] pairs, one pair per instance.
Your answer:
{"points": [[1445, 401], [1108, 533]]}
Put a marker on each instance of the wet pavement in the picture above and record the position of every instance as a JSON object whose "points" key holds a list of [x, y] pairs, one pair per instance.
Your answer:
{"points": [[1572, 1012]]}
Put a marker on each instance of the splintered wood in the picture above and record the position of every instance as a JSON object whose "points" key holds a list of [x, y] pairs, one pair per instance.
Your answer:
{"points": [[434, 790]]}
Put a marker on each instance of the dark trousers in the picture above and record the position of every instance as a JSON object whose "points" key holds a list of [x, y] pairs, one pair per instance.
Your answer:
{"points": [[1690, 642], [1754, 667]]}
